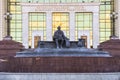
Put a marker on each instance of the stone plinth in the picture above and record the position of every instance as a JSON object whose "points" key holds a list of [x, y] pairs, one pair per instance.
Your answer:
{"points": [[70, 52], [51, 44], [112, 46], [62, 64], [9, 48]]}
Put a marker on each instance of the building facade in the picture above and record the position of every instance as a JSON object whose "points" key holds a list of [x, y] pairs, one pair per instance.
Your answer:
{"points": [[37, 20]]}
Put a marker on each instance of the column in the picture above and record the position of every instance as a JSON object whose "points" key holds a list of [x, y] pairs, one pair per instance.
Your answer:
{"points": [[49, 26], [2, 20], [95, 29], [25, 29], [72, 26], [117, 23]]}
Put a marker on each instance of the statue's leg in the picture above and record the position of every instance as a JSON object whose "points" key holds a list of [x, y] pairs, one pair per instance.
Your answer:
{"points": [[61, 43], [56, 41]]}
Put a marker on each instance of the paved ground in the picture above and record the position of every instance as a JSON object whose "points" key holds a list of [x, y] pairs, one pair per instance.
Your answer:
{"points": [[59, 76]]}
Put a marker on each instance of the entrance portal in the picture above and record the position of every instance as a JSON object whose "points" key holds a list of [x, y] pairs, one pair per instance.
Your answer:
{"points": [[85, 38], [36, 39]]}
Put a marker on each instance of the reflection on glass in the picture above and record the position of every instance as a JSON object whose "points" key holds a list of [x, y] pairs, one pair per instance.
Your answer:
{"points": [[61, 19], [84, 22], [37, 21]]}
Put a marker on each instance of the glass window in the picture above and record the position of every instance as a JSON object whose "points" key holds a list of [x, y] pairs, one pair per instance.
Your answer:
{"points": [[61, 19], [84, 24], [37, 21]]}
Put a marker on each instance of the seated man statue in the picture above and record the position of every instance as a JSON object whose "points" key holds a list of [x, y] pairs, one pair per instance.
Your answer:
{"points": [[59, 37]]}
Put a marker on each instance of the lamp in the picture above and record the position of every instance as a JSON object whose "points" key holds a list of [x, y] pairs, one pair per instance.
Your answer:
{"points": [[29, 1], [8, 17], [83, 1], [60, 1], [113, 17], [92, 1]]}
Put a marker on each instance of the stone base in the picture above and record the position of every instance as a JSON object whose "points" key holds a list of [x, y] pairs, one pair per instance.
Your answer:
{"points": [[70, 52], [7, 38], [51, 44], [9, 47], [61, 64], [112, 46]]}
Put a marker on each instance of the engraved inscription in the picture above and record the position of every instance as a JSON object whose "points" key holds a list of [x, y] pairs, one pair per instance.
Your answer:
{"points": [[60, 8]]}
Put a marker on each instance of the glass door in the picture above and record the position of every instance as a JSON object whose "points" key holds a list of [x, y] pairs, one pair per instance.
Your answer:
{"points": [[85, 38], [36, 39]]}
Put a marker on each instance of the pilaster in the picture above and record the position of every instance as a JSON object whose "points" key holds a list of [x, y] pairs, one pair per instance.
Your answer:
{"points": [[25, 28], [72, 26], [2, 21], [117, 23], [95, 30], [49, 26]]}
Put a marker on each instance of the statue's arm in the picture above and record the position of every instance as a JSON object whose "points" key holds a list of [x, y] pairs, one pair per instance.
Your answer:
{"points": [[55, 35], [63, 35]]}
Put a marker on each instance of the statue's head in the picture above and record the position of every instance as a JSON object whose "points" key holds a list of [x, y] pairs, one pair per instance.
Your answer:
{"points": [[58, 27]]}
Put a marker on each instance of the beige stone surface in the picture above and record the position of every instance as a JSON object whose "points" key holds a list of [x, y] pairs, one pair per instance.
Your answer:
{"points": [[2, 21]]}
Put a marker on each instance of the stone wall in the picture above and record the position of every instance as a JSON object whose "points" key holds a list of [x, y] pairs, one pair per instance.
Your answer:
{"points": [[61, 65], [59, 76]]}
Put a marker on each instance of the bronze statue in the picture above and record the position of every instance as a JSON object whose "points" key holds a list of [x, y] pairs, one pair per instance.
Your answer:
{"points": [[59, 37]]}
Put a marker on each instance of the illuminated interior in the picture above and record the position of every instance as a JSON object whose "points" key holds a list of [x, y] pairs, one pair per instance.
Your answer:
{"points": [[61, 19], [37, 21], [84, 22]]}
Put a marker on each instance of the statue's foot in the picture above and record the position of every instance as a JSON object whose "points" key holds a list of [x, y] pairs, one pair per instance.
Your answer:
{"points": [[61, 47]]}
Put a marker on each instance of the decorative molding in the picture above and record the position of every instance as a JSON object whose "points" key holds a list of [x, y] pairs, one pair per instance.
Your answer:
{"points": [[81, 7]]}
